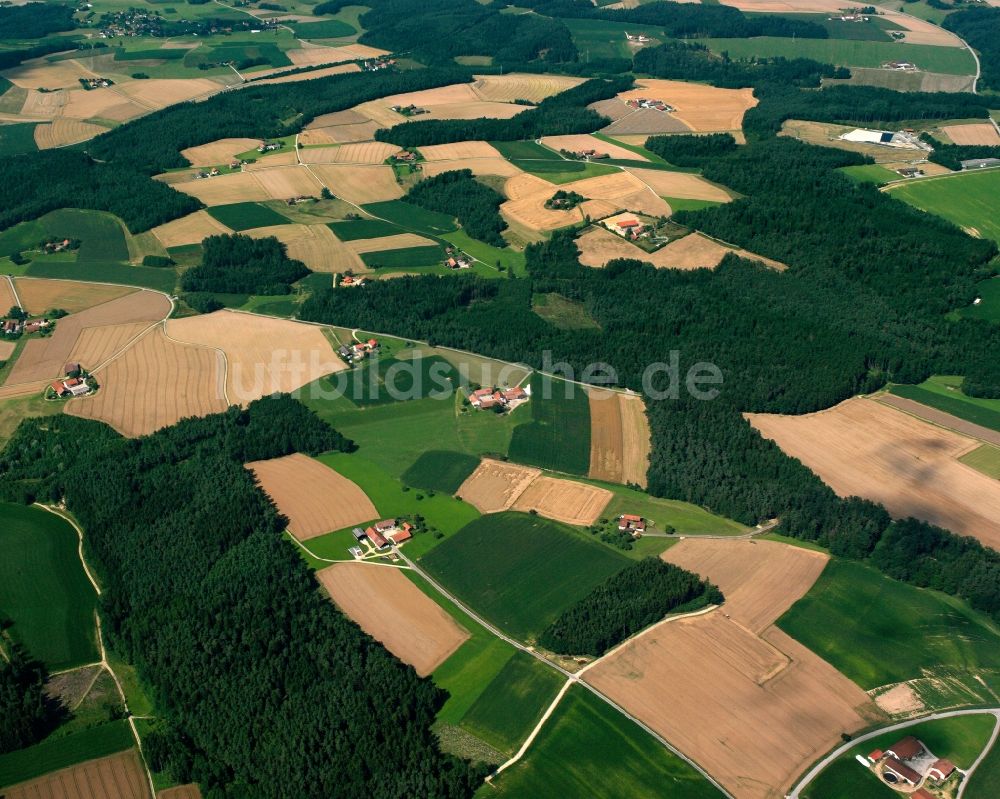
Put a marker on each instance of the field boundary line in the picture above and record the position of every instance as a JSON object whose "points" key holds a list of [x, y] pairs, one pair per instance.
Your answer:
{"points": [[887, 188], [220, 353], [534, 733], [13, 290], [988, 436], [982, 756], [79, 534]]}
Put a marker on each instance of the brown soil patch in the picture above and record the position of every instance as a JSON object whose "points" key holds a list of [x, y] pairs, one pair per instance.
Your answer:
{"points": [[619, 438], [191, 791], [478, 166], [373, 152], [642, 120], [155, 383], [44, 105], [698, 681], [7, 300], [339, 134], [120, 776], [335, 118], [237, 187], [702, 108], [39, 295], [220, 151], [283, 182], [397, 242], [359, 184], [315, 498], [65, 131], [495, 485], [392, 610], [564, 500], [7, 348], [44, 358], [864, 448], [979, 134], [264, 355], [315, 245], [516, 86], [190, 229], [461, 149], [900, 700], [681, 184], [585, 141]]}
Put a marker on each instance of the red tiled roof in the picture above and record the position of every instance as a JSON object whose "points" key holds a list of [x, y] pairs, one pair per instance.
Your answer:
{"points": [[629, 223], [375, 537], [385, 524], [942, 766], [920, 793], [57, 387], [901, 770], [631, 517], [400, 535], [875, 755], [905, 748]]}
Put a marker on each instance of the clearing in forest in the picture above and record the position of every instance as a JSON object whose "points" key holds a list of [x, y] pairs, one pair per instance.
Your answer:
{"points": [[155, 383], [219, 152], [697, 681], [120, 776], [619, 437], [518, 86], [866, 449], [314, 497], [263, 355], [395, 612]]}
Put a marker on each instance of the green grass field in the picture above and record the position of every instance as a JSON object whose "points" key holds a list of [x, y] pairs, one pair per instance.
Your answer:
{"points": [[595, 38], [520, 150], [563, 313], [989, 308], [960, 739], [565, 171], [684, 204], [406, 258], [521, 571], [244, 216], [985, 781], [588, 749], [102, 235], [237, 51], [558, 437], [44, 590], [843, 52], [327, 29], [869, 173], [18, 138], [146, 276], [985, 459], [878, 631], [944, 393], [54, 754], [968, 199], [412, 217], [513, 702], [388, 380], [440, 470], [363, 229]]}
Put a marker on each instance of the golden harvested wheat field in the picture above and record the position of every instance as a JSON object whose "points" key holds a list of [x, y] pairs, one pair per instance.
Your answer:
{"points": [[190, 229], [584, 141], [339, 134], [373, 152], [495, 485], [314, 497], [563, 500], [396, 242], [61, 132], [311, 55], [156, 382], [315, 245], [392, 610], [263, 355], [864, 448], [97, 344], [271, 160], [119, 776], [337, 69], [598, 246], [159, 93], [237, 187], [619, 437], [457, 150], [681, 185], [44, 358], [218, 152], [104, 103], [39, 295], [519, 86], [6, 293], [457, 101], [41, 74], [478, 166], [43, 105], [359, 184], [283, 182], [786, 6], [982, 133], [190, 791], [702, 108], [6, 349], [752, 709]]}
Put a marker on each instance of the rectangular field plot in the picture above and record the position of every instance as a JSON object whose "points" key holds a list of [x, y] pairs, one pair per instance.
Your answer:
{"points": [[558, 437], [243, 216], [968, 200], [520, 571], [119, 776], [588, 748]]}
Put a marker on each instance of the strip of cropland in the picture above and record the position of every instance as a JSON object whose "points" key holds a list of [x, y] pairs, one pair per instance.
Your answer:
{"points": [[967, 199]]}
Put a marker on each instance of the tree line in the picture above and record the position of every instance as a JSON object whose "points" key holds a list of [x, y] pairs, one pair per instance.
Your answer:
{"points": [[27, 713], [634, 598], [691, 150], [35, 20], [979, 26], [238, 264], [458, 194], [262, 687], [952, 155]]}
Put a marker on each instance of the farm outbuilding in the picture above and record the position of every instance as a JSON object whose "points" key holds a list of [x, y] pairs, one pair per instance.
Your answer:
{"points": [[895, 771]]}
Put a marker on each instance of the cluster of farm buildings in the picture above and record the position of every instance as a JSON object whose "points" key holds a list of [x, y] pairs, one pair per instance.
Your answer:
{"points": [[483, 399], [630, 523], [375, 64], [13, 328], [648, 103], [96, 83], [360, 350], [628, 226], [381, 535], [909, 766], [74, 383]]}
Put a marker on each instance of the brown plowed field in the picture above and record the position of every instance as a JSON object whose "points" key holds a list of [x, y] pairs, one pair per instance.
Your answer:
{"points": [[120, 776], [39, 295], [619, 438], [218, 152], [314, 245], [180, 792], [237, 187], [155, 383], [645, 121], [6, 348], [61, 132], [982, 133], [599, 245], [44, 105], [315, 499], [864, 448], [372, 152], [585, 141], [461, 149], [392, 610], [283, 182], [348, 117], [752, 709], [516, 86], [359, 184], [7, 300], [96, 344], [760, 579], [564, 500], [339, 134], [264, 355], [272, 160], [702, 108], [495, 485], [478, 166], [680, 184], [44, 358], [190, 229], [397, 242]]}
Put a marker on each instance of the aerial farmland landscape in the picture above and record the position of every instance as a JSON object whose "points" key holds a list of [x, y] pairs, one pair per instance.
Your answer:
{"points": [[456, 399]]}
